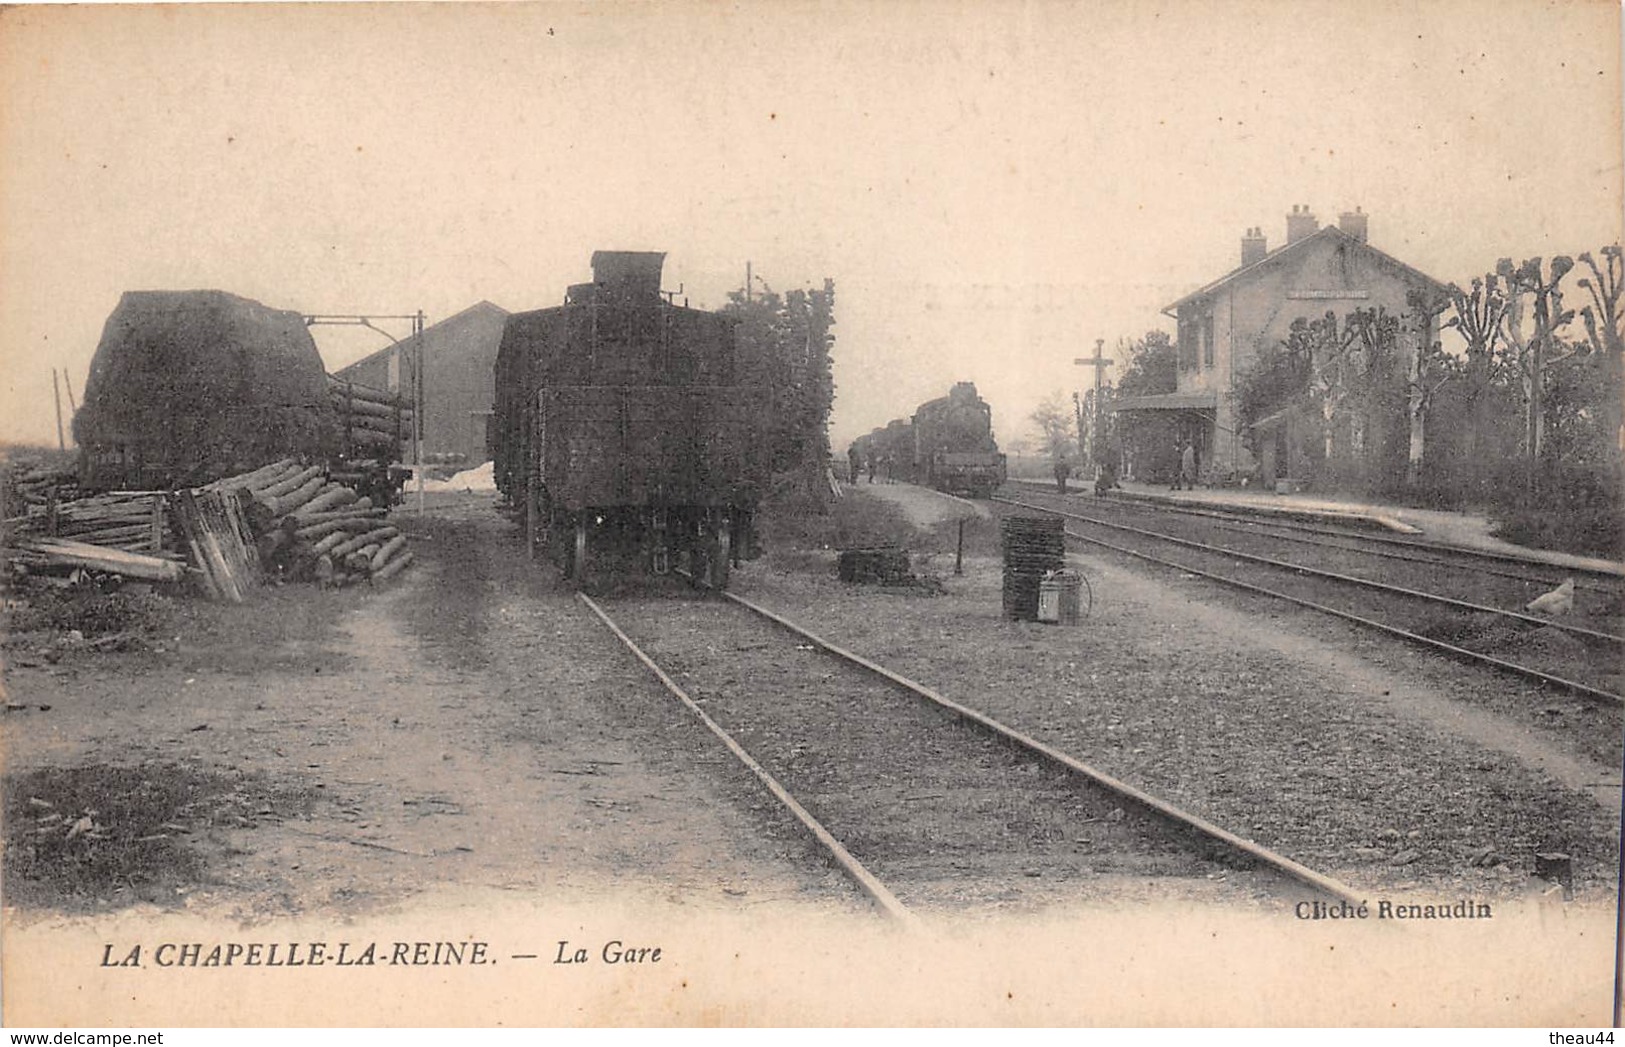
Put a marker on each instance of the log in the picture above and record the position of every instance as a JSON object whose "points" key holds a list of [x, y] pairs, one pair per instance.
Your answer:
{"points": [[355, 391], [291, 484], [360, 541], [289, 502], [370, 438], [351, 524], [98, 558], [389, 549], [250, 478], [370, 408], [333, 496], [359, 507], [393, 567], [272, 479], [330, 542], [386, 426]]}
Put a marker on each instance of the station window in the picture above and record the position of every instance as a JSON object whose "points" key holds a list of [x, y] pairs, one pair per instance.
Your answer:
{"points": [[1207, 340]]}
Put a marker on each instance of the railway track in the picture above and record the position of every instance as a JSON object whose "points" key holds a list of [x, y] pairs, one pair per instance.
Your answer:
{"points": [[925, 802], [1381, 594]]}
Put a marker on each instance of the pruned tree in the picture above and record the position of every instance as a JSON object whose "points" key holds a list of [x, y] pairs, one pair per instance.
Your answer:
{"points": [[1479, 315], [1605, 337], [1535, 290], [1429, 369]]}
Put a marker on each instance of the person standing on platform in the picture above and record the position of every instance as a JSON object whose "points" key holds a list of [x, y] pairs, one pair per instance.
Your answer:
{"points": [[1063, 469], [1187, 467]]}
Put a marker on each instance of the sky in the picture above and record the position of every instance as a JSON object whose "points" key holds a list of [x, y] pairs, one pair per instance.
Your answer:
{"points": [[992, 185]]}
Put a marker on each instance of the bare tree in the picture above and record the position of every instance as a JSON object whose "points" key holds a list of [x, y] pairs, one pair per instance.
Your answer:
{"points": [[1053, 421]]}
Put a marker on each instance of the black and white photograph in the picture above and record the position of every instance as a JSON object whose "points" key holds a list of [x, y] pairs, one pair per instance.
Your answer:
{"points": [[1015, 513]]}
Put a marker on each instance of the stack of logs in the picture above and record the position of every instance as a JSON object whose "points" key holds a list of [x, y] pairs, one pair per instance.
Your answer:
{"points": [[310, 526], [375, 422]]}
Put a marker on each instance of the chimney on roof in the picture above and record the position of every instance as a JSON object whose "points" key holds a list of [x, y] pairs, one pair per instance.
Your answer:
{"points": [[1253, 246], [1300, 223], [1354, 223]]}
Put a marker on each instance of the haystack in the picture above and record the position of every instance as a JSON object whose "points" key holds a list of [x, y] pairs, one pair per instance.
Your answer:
{"points": [[190, 386]]}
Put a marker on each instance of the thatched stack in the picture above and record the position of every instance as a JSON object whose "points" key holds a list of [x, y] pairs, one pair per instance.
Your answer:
{"points": [[187, 385], [311, 527]]}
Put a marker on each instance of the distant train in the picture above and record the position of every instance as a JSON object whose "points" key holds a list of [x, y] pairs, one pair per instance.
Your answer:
{"points": [[948, 444], [626, 429]]}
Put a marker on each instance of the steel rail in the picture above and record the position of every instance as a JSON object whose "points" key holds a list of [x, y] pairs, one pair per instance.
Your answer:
{"points": [[1278, 862], [865, 879], [1256, 527], [1240, 515], [1349, 579], [1463, 653]]}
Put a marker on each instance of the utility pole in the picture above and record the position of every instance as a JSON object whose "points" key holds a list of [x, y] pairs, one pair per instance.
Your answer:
{"points": [[56, 390], [1099, 362], [417, 402]]}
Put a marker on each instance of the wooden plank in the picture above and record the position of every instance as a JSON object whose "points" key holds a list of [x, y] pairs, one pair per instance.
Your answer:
{"points": [[103, 558]]}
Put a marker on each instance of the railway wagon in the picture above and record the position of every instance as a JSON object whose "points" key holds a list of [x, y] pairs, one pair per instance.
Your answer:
{"points": [[954, 449], [890, 450], [627, 430]]}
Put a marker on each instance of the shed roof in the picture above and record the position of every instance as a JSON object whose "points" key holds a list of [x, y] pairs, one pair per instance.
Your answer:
{"points": [[481, 306]]}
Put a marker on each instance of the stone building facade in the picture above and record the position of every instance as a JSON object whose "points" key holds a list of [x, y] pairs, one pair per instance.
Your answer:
{"points": [[1222, 326]]}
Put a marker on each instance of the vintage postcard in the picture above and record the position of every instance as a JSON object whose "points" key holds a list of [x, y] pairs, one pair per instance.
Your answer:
{"points": [[811, 514]]}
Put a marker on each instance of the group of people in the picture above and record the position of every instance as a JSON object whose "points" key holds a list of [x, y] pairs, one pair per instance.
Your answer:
{"points": [[1106, 479], [856, 461]]}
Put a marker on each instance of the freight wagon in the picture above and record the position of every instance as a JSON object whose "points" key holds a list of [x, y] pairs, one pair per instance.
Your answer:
{"points": [[627, 430]]}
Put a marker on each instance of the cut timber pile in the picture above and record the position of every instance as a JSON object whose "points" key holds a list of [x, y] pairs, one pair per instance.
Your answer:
{"points": [[286, 519], [309, 527], [375, 423], [132, 521]]}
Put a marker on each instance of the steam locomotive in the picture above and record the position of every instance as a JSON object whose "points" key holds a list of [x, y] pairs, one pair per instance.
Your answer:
{"points": [[947, 444]]}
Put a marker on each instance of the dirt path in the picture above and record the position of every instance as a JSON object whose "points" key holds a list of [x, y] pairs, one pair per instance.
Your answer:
{"points": [[468, 728]]}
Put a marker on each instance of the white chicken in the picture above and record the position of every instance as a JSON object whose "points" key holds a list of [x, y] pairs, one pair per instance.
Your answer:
{"points": [[1558, 601]]}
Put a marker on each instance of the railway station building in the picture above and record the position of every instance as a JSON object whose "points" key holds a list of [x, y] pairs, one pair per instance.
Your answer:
{"points": [[1223, 325], [459, 364]]}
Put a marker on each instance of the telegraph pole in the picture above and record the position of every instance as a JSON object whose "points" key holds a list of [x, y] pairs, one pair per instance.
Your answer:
{"points": [[1099, 362], [56, 390]]}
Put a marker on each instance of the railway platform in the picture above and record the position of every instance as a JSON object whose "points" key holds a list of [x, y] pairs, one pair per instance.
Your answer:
{"points": [[1469, 530]]}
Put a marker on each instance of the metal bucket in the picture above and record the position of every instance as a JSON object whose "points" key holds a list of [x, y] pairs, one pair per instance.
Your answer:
{"points": [[1058, 598]]}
